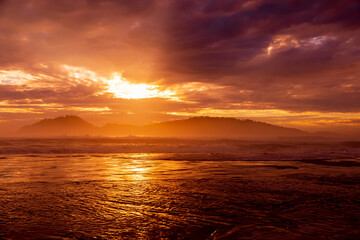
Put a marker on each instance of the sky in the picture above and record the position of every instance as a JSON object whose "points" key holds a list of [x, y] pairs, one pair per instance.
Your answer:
{"points": [[288, 62]]}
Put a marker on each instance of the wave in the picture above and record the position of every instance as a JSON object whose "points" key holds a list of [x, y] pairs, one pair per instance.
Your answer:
{"points": [[242, 149]]}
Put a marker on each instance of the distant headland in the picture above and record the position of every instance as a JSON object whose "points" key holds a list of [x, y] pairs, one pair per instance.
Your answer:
{"points": [[194, 127]]}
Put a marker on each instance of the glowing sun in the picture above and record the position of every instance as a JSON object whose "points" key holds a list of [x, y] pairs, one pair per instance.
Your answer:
{"points": [[122, 88]]}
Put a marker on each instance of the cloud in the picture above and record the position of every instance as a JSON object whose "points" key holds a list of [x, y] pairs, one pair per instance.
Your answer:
{"points": [[267, 48], [225, 55]]}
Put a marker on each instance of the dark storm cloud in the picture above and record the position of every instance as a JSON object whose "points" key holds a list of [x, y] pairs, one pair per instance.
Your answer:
{"points": [[202, 35], [226, 42]]}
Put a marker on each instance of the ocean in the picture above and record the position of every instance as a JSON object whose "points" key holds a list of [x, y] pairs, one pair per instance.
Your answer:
{"points": [[107, 188]]}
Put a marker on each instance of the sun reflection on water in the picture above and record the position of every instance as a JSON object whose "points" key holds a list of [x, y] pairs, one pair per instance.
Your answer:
{"points": [[131, 166]]}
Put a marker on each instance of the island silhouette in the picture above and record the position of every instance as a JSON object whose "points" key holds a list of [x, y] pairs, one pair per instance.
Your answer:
{"points": [[194, 127]]}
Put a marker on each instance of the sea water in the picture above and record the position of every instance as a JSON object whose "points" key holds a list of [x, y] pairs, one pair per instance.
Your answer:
{"points": [[178, 189]]}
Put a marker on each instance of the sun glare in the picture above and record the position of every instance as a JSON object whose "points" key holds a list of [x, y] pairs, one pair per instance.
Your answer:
{"points": [[122, 88], [119, 86]]}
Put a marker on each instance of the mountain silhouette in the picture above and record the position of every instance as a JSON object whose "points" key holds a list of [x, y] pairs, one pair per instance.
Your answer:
{"points": [[195, 127], [219, 127], [69, 125]]}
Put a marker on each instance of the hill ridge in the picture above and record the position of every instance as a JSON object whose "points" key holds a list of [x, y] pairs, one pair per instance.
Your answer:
{"points": [[200, 126]]}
